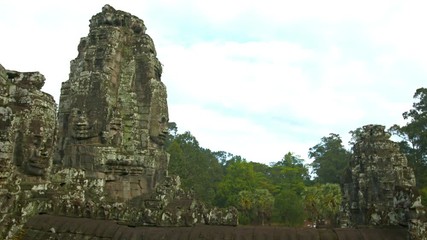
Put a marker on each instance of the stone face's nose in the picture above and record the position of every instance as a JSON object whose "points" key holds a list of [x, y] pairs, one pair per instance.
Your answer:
{"points": [[82, 121], [44, 153]]}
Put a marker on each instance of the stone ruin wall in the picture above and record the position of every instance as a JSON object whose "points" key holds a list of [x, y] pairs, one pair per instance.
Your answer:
{"points": [[101, 156], [379, 187]]}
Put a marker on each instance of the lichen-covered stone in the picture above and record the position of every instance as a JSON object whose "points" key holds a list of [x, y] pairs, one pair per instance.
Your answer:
{"points": [[102, 154], [379, 187], [27, 136], [113, 115], [113, 111]]}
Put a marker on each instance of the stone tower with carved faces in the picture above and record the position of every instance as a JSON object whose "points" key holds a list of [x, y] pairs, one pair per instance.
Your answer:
{"points": [[379, 186], [101, 156], [113, 111]]}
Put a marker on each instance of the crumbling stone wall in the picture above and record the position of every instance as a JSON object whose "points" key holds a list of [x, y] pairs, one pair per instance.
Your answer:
{"points": [[379, 187]]}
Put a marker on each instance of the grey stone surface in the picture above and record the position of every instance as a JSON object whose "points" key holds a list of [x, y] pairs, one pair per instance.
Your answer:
{"points": [[379, 187], [101, 156], [27, 136]]}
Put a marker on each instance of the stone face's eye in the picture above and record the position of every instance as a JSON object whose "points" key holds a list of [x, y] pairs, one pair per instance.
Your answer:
{"points": [[37, 141], [163, 120]]}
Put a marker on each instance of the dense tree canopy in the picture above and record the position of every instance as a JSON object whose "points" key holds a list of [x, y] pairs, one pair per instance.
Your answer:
{"points": [[283, 192], [239, 176], [198, 167], [322, 202], [256, 206], [414, 138], [263, 193], [330, 158], [289, 177]]}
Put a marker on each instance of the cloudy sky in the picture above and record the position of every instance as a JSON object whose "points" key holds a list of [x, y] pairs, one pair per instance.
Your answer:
{"points": [[253, 78]]}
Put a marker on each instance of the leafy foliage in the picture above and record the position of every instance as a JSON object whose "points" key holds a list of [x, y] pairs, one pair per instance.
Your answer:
{"points": [[322, 202], [198, 168], [261, 192], [256, 206], [290, 173], [330, 159], [239, 176], [414, 139], [289, 208], [282, 191]]}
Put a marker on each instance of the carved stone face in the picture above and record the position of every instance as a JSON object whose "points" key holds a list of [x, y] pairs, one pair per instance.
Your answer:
{"points": [[116, 124], [33, 150], [40, 151], [81, 127], [159, 129], [159, 119]]}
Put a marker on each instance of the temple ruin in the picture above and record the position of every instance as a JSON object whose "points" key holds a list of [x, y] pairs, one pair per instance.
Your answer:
{"points": [[95, 167], [101, 156]]}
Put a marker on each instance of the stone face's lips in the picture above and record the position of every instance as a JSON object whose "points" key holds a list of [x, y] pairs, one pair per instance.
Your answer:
{"points": [[35, 168], [162, 138]]}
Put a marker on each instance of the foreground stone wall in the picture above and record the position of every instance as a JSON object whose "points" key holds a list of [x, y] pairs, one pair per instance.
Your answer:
{"points": [[51, 227]]}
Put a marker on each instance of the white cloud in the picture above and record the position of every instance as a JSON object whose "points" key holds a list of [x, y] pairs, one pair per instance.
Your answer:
{"points": [[224, 11], [404, 32], [254, 76], [238, 135], [308, 68]]}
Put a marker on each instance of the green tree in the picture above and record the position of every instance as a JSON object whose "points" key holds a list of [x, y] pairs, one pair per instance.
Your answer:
{"points": [[223, 157], [256, 206], [322, 202], [290, 173], [264, 204], [289, 178], [239, 176], [198, 167], [330, 159], [289, 208], [414, 139], [264, 173]]}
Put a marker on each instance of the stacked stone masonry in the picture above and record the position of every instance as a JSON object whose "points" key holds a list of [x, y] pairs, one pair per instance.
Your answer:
{"points": [[101, 155], [379, 187]]}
